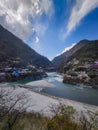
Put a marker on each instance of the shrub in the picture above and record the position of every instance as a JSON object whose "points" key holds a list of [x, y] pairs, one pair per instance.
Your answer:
{"points": [[72, 73], [92, 74], [62, 119]]}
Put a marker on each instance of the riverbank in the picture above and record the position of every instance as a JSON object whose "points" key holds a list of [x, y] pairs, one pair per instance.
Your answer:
{"points": [[53, 85], [41, 103], [75, 104], [83, 85], [85, 81]]}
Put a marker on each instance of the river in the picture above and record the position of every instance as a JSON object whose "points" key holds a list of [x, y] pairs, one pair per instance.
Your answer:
{"points": [[73, 92]]}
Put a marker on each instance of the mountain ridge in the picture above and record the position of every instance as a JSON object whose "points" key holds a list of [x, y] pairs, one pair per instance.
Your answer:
{"points": [[11, 48], [58, 59], [85, 54]]}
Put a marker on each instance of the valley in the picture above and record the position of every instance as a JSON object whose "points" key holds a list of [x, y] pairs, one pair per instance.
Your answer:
{"points": [[48, 65]]}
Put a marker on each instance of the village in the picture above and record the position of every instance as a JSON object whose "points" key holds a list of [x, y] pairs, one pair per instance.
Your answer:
{"points": [[30, 72], [84, 73]]}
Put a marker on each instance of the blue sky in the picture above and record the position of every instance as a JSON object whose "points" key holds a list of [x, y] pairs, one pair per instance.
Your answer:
{"points": [[50, 26]]}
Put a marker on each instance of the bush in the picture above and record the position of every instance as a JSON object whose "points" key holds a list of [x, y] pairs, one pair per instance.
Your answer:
{"points": [[62, 119], [92, 74], [72, 73], [72, 80], [80, 68]]}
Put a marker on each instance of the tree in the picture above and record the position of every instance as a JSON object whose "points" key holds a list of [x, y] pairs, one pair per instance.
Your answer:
{"points": [[11, 107], [63, 118]]}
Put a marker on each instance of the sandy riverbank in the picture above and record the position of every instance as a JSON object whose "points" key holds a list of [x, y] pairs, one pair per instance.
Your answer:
{"points": [[41, 103], [40, 84]]}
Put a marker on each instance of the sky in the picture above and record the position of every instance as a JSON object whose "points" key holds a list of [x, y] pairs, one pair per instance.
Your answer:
{"points": [[50, 27]]}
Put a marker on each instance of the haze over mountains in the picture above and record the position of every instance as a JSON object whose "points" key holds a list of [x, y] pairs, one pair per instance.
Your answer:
{"points": [[13, 49]]}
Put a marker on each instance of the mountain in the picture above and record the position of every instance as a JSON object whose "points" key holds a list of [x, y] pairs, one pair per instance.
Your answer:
{"points": [[59, 59], [13, 49], [87, 53], [84, 51]]}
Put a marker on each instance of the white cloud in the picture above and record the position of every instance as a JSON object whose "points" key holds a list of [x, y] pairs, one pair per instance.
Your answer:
{"points": [[16, 15], [40, 28], [66, 49], [79, 11], [36, 39], [47, 7]]}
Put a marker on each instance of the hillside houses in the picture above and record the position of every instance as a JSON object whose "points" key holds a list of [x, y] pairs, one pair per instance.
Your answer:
{"points": [[94, 65], [81, 73], [14, 73]]}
